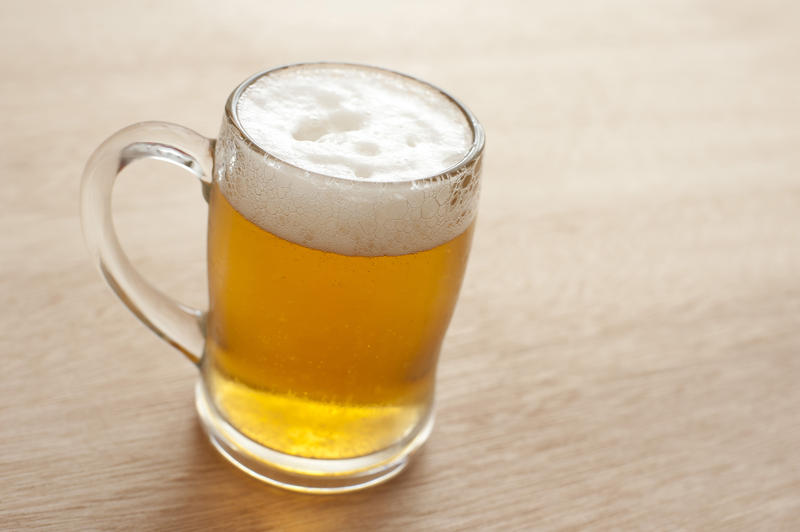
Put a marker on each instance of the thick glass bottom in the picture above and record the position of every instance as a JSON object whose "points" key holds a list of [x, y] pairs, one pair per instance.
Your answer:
{"points": [[308, 475]]}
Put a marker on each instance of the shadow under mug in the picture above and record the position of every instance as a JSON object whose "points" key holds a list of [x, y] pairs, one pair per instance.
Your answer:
{"points": [[329, 297]]}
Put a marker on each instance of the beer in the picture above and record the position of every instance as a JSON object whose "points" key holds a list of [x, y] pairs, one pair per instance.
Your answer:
{"points": [[319, 354], [342, 202], [333, 268]]}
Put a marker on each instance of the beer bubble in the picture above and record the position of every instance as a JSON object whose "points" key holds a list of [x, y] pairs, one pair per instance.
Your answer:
{"points": [[347, 145]]}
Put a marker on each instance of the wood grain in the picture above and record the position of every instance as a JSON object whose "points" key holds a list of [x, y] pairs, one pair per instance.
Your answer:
{"points": [[626, 351]]}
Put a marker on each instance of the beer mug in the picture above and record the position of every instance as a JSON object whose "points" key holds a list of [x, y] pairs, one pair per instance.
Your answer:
{"points": [[342, 200]]}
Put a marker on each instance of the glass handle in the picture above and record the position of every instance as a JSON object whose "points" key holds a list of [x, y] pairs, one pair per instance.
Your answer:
{"points": [[181, 326]]}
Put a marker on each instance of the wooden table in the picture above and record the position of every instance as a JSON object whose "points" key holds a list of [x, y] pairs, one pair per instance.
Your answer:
{"points": [[626, 350]]}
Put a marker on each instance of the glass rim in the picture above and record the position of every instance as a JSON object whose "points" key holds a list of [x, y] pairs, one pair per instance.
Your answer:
{"points": [[471, 155]]}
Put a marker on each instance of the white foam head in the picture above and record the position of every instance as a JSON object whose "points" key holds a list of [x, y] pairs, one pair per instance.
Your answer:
{"points": [[354, 122], [350, 159]]}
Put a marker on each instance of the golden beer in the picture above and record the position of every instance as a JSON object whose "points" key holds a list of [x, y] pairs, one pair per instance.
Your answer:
{"points": [[342, 202], [318, 354]]}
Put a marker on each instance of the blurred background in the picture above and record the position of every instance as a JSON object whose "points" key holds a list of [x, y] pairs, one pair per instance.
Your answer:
{"points": [[624, 353]]}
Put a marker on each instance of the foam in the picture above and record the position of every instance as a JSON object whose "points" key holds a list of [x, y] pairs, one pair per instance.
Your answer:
{"points": [[354, 123], [348, 147]]}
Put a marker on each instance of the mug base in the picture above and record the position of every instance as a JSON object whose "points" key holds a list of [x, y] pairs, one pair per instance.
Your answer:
{"points": [[307, 475]]}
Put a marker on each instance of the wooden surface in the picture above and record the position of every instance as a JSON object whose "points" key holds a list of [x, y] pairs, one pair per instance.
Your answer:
{"points": [[626, 351]]}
